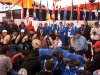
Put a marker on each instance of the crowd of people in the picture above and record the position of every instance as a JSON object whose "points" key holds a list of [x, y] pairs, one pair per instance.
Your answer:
{"points": [[52, 49]]}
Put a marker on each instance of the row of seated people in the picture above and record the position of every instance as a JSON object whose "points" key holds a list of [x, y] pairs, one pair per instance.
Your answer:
{"points": [[55, 61]]}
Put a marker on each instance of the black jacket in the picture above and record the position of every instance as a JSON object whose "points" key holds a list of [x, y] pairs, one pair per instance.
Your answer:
{"points": [[32, 65]]}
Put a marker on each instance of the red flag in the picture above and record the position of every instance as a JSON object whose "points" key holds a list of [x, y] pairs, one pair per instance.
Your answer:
{"points": [[57, 0], [53, 11], [78, 11]]}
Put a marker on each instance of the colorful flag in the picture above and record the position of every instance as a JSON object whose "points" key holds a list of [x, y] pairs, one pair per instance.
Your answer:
{"points": [[28, 7], [59, 10], [65, 13], [96, 13], [40, 11], [78, 11], [84, 11], [48, 13], [34, 12], [53, 11], [22, 10], [72, 12], [90, 14]]}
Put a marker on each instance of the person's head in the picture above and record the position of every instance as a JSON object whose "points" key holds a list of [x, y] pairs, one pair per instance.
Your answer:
{"points": [[85, 22], [11, 22], [45, 24], [22, 31], [60, 23], [4, 32], [83, 72], [82, 25], [39, 24], [42, 37], [51, 32], [5, 50], [71, 24], [67, 25], [15, 33], [26, 53], [96, 24], [30, 23], [96, 46], [41, 30], [59, 57], [49, 65], [78, 34], [57, 37], [32, 32], [22, 24]]}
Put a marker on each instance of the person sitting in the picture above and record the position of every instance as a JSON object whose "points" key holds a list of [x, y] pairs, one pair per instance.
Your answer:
{"points": [[95, 64], [5, 38], [43, 42], [80, 44], [57, 42], [21, 40]]}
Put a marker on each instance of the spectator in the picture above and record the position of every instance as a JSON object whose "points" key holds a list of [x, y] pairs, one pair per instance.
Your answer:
{"points": [[46, 28], [30, 27], [95, 33], [80, 43], [31, 64], [21, 40], [12, 27], [57, 42], [22, 26], [39, 27], [86, 30], [48, 68], [5, 62], [43, 42], [41, 33], [62, 33], [73, 29], [95, 65], [5, 38]]}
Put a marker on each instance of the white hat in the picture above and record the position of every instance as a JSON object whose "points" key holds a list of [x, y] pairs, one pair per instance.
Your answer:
{"points": [[4, 31], [22, 30]]}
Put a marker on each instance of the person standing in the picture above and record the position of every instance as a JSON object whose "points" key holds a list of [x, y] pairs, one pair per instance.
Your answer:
{"points": [[5, 62], [87, 30], [95, 33], [30, 27]]}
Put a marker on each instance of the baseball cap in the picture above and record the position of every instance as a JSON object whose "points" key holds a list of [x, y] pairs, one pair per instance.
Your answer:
{"points": [[4, 31], [97, 44], [22, 30]]}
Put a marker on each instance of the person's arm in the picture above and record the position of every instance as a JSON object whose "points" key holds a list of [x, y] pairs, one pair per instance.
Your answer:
{"points": [[8, 65], [34, 37], [17, 39], [25, 39], [6, 39]]}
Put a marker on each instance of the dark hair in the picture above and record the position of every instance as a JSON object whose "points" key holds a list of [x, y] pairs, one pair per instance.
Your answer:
{"points": [[26, 52], [78, 32], [49, 65], [83, 72], [4, 49]]}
